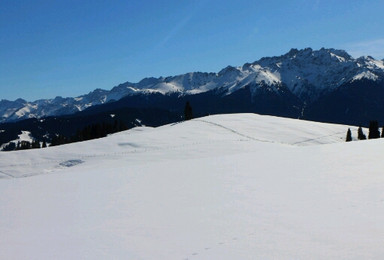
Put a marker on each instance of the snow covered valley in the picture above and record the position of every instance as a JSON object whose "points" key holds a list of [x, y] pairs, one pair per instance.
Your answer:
{"points": [[240, 186]]}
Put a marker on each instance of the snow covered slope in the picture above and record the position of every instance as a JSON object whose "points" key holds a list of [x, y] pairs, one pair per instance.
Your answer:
{"points": [[206, 130], [221, 187]]}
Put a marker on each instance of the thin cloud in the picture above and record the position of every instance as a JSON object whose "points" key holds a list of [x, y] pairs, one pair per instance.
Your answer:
{"points": [[175, 30], [180, 25], [374, 48]]}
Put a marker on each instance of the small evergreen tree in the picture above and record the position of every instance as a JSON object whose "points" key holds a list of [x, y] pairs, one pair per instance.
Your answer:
{"points": [[360, 134], [382, 132], [373, 130], [349, 136], [188, 111], [44, 144]]}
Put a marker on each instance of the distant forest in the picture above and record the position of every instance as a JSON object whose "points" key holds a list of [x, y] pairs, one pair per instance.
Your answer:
{"points": [[87, 133]]}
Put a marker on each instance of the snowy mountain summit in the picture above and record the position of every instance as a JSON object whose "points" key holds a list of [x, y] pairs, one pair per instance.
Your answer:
{"points": [[304, 74], [307, 74]]}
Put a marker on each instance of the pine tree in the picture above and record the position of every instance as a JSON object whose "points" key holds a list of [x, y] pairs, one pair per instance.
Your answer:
{"points": [[382, 132], [360, 134], [373, 130], [188, 111], [349, 135]]}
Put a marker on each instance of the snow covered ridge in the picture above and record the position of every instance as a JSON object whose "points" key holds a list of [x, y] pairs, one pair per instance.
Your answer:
{"points": [[307, 73], [220, 187], [206, 130]]}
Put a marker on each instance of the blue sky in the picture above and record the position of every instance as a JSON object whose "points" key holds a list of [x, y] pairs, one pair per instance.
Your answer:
{"points": [[68, 48]]}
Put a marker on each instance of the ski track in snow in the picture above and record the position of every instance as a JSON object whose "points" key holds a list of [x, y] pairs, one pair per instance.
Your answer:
{"points": [[218, 245], [234, 131], [6, 174], [267, 141], [317, 138]]}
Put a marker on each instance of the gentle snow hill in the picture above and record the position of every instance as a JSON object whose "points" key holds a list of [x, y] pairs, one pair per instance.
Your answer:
{"points": [[238, 186], [207, 130]]}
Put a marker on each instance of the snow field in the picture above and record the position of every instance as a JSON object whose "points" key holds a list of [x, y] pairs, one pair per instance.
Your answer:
{"points": [[221, 187]]}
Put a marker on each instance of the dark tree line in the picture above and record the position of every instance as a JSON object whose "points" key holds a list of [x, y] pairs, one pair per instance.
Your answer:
{"points": [[24, 145], [373, 132], [90, 132], [87, 133]]}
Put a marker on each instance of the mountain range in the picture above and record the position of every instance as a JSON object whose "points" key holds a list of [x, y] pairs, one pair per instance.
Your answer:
{"points": [[326, 85], [306, 76]]}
